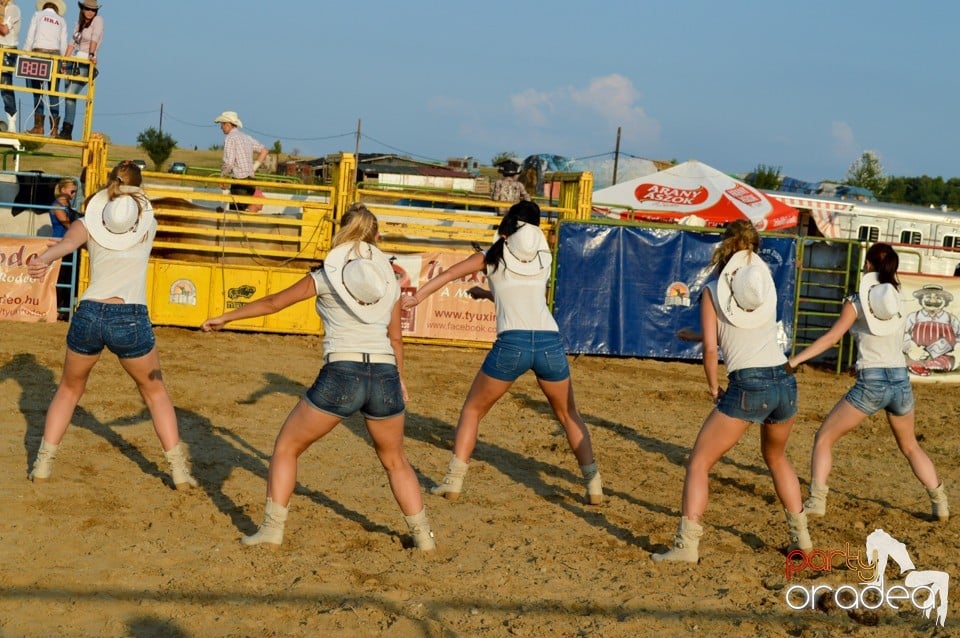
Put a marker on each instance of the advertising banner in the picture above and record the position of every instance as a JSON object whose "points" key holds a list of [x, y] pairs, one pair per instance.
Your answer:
{"points": [[449, 313], [932, 326], [627, 291], [23, 298]]}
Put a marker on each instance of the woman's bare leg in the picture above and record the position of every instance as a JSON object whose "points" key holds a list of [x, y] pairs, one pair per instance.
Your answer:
{"points": [[73, 382], [560, 396], [387, 436], [484, 393], [303, 426], [717, 435]]}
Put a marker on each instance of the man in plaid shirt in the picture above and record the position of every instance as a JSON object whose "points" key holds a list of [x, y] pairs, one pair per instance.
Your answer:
{"points": [[238, 150]]}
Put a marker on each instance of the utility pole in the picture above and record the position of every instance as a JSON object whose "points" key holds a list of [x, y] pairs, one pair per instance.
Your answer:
{"points": [[356, 150], [161, 117], [616, 157]]}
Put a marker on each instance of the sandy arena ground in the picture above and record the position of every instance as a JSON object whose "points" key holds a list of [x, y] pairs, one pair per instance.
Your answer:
{"points": [[108, 548]]}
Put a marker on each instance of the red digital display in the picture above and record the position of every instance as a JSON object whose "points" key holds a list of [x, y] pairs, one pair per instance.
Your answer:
{"points": [[34, 68]]}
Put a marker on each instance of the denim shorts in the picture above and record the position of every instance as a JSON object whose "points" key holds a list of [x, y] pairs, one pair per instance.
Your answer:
{"points": [[882, 389], [122, 327], [516, 351], [760, 395], [345, 387]]}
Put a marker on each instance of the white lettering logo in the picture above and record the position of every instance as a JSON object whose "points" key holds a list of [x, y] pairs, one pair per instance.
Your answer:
{"points": [[925, 590]]}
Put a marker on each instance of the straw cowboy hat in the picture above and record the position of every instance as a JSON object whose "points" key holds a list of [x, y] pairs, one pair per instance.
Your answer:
{"points": [[363, 278], [230, 117], [526, 251], [89, 4], [881, 305], [119, 223], [61, 6], [745, 292]]}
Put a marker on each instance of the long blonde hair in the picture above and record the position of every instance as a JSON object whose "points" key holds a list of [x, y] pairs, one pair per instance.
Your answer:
{"points": [[125, 179], [357, 224], [739, 235]]}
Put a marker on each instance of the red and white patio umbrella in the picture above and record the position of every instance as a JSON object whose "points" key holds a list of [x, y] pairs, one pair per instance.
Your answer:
{"points": [[695, 194]]}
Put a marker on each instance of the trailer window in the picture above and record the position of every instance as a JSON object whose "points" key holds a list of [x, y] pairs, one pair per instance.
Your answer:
{"points": [[868, 233], [909, 237], [951, 242]]}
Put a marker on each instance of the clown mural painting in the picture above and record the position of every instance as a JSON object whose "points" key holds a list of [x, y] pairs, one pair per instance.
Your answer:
{"points": [[931, 333]]}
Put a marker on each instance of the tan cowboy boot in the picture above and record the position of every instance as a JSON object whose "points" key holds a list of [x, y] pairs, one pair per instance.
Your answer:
{"points": [[799, 536], [452, 484], [43, 464], [178, 467], [686, 544], [938, 501], [423, 537], [591, 477], [271, 530]]}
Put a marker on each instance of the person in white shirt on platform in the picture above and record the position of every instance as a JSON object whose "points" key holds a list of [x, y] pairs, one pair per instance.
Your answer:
{"points": [[85, 44], [528, 338], [873, 316], [47, 34], [356, 295], [738, 315], [238, 150], [9, 39], [118, 229]]}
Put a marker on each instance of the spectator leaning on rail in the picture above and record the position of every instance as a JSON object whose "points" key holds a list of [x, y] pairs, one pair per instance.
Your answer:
{"points": [[85, 44], [238, 149], [47, 34], [9, 39]]}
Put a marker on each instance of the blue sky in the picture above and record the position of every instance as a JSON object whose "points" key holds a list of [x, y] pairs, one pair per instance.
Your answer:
{"points": [[805, 86]]}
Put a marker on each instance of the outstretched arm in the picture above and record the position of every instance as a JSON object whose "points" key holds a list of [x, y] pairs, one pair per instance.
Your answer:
{"points": [[711, 356], [829, 339], [76, 236], [394, 333], [473, 263], [303, 289]]}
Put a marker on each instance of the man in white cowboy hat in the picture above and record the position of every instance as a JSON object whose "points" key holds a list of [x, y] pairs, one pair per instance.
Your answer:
{"points": [[47, 34], [9, 39], [238, 150]]}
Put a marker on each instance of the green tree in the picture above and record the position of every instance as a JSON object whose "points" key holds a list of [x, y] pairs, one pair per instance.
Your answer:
{"points": [[867, 172], [157, 145], [501, 156], [765, 177], [276, 149]]}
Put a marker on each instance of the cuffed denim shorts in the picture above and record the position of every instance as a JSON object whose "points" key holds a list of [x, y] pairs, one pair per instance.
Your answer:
{"points": [[125, 329], [882, 389], [516, 351], [760, 395], [345, 387]]}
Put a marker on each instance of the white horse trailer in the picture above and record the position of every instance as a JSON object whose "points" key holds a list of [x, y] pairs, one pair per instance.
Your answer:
{"points": [[927, 239]]}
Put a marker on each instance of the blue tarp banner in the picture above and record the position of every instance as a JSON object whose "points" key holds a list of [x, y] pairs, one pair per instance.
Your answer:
{"points": [[626, 290]]}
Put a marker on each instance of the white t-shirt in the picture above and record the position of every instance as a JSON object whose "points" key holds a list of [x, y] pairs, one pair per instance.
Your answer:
{"points": [[47, 31], [342, 330], [873, 351], [119, 273], [11, 20], [746, 347], [521, 302]]}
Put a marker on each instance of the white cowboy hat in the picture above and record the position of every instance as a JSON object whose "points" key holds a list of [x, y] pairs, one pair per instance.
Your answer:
{"points": [[118, 223], [746, 294], [881, 305], [526, 251], [61, 5], [230, 117], [363, 279]]}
